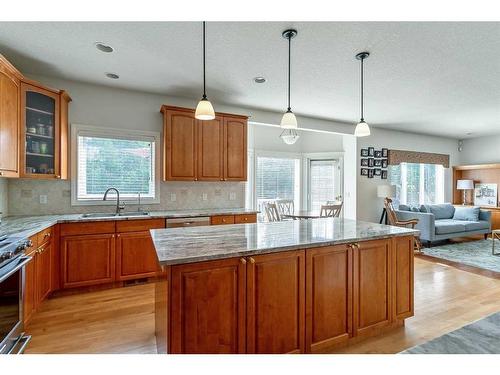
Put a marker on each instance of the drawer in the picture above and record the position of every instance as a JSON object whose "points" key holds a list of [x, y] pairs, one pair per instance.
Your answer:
{"points": [[34, 245], [221, 220], [139, 225], [93, 227], [44, 236], [247, 218]]}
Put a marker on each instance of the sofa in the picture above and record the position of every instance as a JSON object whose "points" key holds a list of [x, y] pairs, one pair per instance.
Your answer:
{"points": [[444, 221]]}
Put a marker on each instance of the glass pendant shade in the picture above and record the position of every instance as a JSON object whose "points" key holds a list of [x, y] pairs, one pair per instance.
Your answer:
{"points": [[362, 129], [289, 121], [204, 110], [289, 136]]}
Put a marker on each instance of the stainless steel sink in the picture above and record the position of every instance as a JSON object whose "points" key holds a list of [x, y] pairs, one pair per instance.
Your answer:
{"points": [[123, 214]]}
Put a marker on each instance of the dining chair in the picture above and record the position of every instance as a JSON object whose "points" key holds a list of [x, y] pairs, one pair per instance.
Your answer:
{"points": [[393, 220], [272, 213], [330, 210], [285, 206]]}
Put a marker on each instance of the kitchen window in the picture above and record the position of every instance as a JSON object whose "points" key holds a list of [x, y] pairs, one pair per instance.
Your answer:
{"points": [[109, 158], [418, 184]]}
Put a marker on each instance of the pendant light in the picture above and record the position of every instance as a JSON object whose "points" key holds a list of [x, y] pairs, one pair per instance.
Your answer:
{"points": [[289, 121], [204, 109], [362, 128]]}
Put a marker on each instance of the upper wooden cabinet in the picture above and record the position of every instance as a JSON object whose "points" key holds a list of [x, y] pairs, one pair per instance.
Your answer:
{"points": [[9, 119], [195, 150]]}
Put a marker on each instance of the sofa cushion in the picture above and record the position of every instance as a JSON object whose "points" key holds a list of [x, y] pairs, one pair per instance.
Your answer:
{"points": [[415, 209], [466, 213], [404, 207], [442, 211], [476, 225], [446, 226], [425, 208]]}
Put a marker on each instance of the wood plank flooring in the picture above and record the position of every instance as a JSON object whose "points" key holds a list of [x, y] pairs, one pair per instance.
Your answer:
{"points": [[122, 320]]}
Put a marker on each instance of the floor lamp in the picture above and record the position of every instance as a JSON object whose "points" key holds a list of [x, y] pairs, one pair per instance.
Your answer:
{"points": [[385, 191]]}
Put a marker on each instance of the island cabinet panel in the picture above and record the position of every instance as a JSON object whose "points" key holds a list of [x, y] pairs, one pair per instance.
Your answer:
{"points": [[210, 149], [235, 149], [180, 142], [403, 277], [328, 296], [372, 289], [87, 260], [135, 256], [276, 303], [208, 307]]}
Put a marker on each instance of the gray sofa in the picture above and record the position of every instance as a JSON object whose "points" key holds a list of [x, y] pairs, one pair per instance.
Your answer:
{"points": [[444, 221]]}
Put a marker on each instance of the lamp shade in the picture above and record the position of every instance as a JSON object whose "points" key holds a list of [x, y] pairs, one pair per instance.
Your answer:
{"points": [[289, 136], [289, 121], [465, 184], [362, 129], [204, 110], [384, 191]]}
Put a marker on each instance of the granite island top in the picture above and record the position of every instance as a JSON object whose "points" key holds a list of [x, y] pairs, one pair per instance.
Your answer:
{"points": [[196, 244], [25, 226]]}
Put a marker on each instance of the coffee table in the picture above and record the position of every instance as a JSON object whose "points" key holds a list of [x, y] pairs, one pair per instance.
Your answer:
{"points": [[495, 235]]}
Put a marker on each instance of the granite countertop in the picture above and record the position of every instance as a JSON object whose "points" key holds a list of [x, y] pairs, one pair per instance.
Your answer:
{"points": [[25, 226], [189, 245]]}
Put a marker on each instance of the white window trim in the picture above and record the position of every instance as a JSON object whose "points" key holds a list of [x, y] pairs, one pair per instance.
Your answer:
{"points": [[79, 129]]}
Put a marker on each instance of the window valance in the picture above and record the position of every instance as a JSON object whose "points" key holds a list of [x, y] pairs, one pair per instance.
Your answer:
{"points": [[402, 156]]}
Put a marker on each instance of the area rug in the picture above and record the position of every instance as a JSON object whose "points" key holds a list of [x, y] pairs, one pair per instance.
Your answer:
{"points": [[473, 253], [480, 337]]}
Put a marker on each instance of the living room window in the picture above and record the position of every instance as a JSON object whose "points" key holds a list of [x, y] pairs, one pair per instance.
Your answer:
{"points": [[418, 184]]}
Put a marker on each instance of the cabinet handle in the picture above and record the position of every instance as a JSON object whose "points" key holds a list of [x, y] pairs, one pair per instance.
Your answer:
{"points": [[243, 261], [46, 235], [1, 174], [57, 176], [112, 236], [117, 235], [252, 260]]}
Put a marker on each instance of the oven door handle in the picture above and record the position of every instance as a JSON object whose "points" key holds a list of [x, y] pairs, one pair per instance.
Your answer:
{"points": [[23, 341], [11, 270]]}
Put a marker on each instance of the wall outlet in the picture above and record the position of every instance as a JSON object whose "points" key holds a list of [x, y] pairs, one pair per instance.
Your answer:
{"points": [[204, 196], [232, 196], [173, 197], [43, 199]]}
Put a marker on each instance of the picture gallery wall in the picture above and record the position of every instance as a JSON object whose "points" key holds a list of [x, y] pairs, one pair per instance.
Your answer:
{"points": [[374, 162]]}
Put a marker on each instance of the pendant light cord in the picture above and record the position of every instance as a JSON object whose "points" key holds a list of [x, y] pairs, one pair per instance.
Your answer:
{"points": [[204, 84], [362, 115], [289, 68]]}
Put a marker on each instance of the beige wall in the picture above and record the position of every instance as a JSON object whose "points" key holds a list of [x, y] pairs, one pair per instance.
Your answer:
{"points": [[482, 150]]}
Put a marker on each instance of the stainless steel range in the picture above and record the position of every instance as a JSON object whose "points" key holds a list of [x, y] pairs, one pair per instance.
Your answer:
{"points": [[12, 262]]}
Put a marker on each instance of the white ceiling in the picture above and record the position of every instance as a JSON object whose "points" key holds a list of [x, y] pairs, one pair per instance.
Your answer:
{"points": [[434, 78]]}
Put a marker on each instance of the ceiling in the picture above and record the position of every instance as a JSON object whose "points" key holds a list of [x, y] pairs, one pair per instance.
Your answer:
{"points": [[438, 78]]}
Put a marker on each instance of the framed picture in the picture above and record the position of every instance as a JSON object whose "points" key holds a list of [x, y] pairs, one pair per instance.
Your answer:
{"points": [[485, 195], [370, 173], [364, 171], [377, 162], [378, 154], [385, 152], [377, 172], [384, 163], [364, 162], [364, 152], [371, 151], [384, 175], [371, 162]]}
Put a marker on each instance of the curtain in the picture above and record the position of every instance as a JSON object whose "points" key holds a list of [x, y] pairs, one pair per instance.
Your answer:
{"points": [[402, 156]]}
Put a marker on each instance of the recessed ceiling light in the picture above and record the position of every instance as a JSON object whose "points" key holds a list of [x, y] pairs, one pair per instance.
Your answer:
{"points": [[112, 75], [103, 47], [259, 80]]}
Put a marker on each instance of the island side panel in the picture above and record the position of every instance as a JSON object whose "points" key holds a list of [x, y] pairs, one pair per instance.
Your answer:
{"points": [[162, 292], [403, 277]]}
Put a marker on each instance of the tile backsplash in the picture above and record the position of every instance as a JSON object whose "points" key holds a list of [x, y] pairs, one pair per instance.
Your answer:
{"points": [[24, 197], [3, 197]]}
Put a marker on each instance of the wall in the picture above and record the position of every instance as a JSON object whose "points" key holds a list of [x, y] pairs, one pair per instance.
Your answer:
{"points": [[4, 208], [369, 206], [482, 150]]}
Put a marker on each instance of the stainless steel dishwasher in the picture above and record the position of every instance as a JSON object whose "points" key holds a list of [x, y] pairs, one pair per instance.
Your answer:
{"points": [[188, 222]]}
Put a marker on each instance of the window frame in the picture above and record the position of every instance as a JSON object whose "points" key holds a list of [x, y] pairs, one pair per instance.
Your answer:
{"points": [[115, 133]]}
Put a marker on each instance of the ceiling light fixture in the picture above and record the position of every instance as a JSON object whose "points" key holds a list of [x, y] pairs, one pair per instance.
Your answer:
{"points": [[204, 109], [112, 75], [103, 47], [289, 121], [362, 128], [259, 79]]}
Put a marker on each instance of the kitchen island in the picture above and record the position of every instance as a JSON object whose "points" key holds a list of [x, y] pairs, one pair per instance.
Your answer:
{"points": [[302, 286]]}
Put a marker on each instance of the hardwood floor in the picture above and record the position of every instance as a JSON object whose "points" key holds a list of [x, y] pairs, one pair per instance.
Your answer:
{"points": [[122, 320]]}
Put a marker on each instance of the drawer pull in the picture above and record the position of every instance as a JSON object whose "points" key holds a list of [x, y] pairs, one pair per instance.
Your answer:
{"points": [[243, 261], [252, 260]]}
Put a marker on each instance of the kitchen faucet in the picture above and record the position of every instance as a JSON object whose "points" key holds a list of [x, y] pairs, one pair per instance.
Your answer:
{"points": [[118, 205]]}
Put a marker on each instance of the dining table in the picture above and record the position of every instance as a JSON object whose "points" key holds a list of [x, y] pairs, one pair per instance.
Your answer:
{"points": [[301, 214]]}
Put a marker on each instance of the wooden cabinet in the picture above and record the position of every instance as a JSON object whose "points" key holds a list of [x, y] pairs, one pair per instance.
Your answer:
{"points": [[328, 296], [135, 256], [372, 285], [87, 259], [30, 296], [245, 219], [43, 267], [9, 119], [195, 150], [276, 303], [233, 219], [403, 277], [208, 307]]}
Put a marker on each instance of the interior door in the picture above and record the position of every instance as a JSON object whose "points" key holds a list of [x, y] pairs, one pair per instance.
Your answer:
{"points": [[323, 183]]}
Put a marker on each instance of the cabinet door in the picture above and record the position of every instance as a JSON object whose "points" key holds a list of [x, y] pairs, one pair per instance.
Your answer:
{"points": [[135, 256], [328, 296], [372, 265], [275, 303], [403, 277], [43, 271], [29, 297], [40, 147], [210, 149], [208, 307], [9, 125], [180, 143], [235, 149], [87, 260]]}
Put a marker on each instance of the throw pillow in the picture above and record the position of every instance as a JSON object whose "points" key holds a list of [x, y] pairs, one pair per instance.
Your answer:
{"points": [[466, 213], [404, 207], [442, 211]]}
